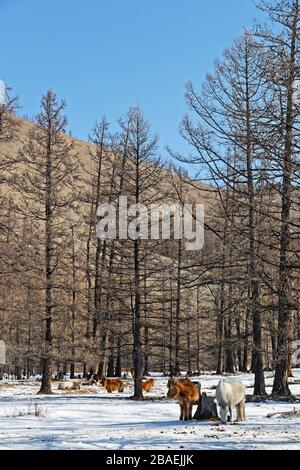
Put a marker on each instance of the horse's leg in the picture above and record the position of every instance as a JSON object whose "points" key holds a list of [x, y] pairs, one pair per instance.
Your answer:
{"points": [[190, 411], [238, 412], [181, 412], [186, 411], [230, 413], [243, 408]]}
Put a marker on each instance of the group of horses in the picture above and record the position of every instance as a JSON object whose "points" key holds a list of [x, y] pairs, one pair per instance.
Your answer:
{"points": [[229, 394], [117, 385]]}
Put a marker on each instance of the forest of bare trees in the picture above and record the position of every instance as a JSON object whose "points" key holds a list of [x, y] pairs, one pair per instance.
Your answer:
{"points": [[73, 303]]}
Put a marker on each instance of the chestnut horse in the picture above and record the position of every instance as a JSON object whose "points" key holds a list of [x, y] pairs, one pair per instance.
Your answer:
{"points": [[186, 393], [113, 385]]}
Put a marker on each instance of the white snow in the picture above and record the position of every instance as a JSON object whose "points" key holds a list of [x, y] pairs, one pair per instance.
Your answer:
{"points": [[95, 420]]}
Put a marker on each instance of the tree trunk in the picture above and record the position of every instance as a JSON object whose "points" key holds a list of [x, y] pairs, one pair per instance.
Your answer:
{"points": [[229, 349], [72, 367], [189, 357], [137, 326], [198, 332], [104, 354], [220, 343], [171, 346], [239, 346], [207, 409], [146, 329], [47, 359], [177, 370], [246, 342], [111, 359], [146, 350], [281, 381], [259, 381], [118, 371]]}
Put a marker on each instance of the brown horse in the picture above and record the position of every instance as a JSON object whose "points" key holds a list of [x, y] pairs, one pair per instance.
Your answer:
{"points": [[147, 385], [113, 385], [186, 393]]}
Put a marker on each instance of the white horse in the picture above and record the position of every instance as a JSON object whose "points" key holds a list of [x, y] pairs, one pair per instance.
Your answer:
{"points": [[69, 386], [231, 393]]}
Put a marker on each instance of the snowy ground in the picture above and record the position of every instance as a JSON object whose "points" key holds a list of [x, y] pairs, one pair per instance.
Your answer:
{"points": [[95, 420]]}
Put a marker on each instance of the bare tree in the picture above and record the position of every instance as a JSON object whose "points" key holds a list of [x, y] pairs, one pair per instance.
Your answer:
{"points": [[48, 167], [282, 70], [141, 175]]}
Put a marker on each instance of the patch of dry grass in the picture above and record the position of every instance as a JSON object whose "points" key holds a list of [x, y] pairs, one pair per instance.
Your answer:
{"points": [[83, 391], [6, 385], [285, 414], [33, 409]]}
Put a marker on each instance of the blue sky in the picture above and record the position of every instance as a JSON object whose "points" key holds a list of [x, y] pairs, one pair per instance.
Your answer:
{"points": [[103, 56]]}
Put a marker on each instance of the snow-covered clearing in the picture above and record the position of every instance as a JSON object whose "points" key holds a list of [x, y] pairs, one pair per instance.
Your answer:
{"points": [[92, 419]]}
